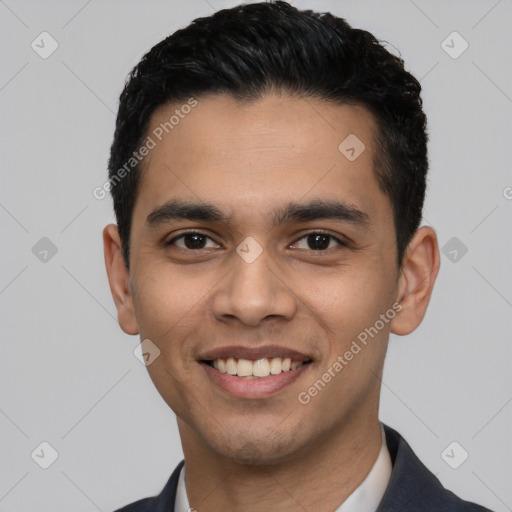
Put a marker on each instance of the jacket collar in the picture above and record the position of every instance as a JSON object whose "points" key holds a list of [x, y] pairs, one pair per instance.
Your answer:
{"points": [[411, 486]]}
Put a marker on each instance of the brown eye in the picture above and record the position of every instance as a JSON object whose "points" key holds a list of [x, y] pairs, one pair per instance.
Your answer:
{"points": [[318, 241], [191, 241]]}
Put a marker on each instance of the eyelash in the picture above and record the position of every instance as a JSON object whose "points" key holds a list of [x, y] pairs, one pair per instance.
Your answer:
{"points": [[315, 232]]}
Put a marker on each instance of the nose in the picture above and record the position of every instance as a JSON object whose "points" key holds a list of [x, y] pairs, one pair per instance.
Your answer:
{"points": [[253, 291]]}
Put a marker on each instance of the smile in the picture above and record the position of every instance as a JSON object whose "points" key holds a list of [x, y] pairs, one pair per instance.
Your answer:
{"points": [[254, 379], [257, 369]]}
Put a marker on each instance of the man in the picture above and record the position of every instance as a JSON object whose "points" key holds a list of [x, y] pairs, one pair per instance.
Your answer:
{"points": [[268, 174]]}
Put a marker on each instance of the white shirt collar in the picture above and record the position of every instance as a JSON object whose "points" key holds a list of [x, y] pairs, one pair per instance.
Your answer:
{"points": [[365, 498]]}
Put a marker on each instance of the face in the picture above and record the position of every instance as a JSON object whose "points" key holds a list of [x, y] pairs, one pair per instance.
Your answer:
{"points": [[257, 243]]}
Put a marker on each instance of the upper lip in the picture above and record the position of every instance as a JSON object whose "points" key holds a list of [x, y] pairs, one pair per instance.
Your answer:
{"points": [[240, 352]]}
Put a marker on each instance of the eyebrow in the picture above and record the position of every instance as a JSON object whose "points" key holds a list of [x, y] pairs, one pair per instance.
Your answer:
{"points": [[314, 209]]}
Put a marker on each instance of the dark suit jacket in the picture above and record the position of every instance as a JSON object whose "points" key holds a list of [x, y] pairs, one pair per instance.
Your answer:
{"points": [[412, 487]]}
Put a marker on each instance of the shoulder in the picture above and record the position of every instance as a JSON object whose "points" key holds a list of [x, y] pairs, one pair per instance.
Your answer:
{"points": [[164, 502], [457, 504], [413, 487]]}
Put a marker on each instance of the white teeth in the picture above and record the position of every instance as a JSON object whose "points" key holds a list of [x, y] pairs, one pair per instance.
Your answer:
{"points": [[260, 368], [253, 369], [244, 368], [275, 365], [231, 366]]}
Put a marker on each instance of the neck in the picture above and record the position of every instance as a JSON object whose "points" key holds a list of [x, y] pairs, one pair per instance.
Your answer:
{"points": [[320, 477]]}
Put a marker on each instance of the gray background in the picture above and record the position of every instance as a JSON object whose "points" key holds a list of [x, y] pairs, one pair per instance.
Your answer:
{"points": [[68, 374]]}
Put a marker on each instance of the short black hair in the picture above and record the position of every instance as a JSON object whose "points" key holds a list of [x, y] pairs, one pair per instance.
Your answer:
{"points": [[252, 49]]}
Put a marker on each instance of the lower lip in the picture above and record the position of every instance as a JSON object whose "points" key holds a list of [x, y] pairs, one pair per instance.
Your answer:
{"points": [[253, 388]]}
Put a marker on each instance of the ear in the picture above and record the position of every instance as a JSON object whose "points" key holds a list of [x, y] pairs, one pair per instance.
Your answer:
{"points": [[416, 282], [119, 280]]}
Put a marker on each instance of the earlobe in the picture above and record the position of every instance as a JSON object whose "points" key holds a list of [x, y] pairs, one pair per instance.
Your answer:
{"points": [[416, 281], [119, 280]]}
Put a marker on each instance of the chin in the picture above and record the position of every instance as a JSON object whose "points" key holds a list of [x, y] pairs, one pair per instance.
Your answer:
{"points": [[249, 448]]}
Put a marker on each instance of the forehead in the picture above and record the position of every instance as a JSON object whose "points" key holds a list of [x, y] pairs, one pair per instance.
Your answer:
{"points": [[243, 155]]}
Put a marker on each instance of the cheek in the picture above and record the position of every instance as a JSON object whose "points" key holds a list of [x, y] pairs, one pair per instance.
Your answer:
{"points": [[350, 300], [171, 307], [167, 307], [160, 304]]}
